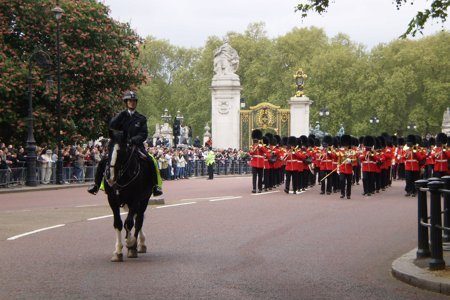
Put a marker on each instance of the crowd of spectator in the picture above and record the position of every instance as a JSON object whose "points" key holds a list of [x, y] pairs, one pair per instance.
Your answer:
{"points": [[80, 161]]}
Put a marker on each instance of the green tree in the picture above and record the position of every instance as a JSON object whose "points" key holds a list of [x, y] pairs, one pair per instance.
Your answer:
{"points": [[437, 10], [98, 57]]}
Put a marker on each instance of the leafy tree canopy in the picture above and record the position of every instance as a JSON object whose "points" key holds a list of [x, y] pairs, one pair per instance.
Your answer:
{"points": [[437, 10]]}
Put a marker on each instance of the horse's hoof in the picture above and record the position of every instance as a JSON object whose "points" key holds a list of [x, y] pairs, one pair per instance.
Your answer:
{"points": [[142, 249], [117, 257], [132, 253]]}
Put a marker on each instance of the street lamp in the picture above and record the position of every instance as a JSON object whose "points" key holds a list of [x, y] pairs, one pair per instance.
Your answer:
{"points": [[242, 100], [300, 78], [374, 120], [43, 60], [58, 11], [179, 116], [324, 112], [411, 126]]}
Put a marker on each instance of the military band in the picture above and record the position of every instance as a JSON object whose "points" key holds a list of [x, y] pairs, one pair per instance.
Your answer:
{"points": [[338, 163]]}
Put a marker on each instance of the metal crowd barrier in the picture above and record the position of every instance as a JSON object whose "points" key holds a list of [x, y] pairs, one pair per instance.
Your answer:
{"points": [[17, 176], [433, 229]]}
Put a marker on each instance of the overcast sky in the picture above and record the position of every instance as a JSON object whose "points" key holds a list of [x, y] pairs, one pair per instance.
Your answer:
{"points": [[189, 23]]}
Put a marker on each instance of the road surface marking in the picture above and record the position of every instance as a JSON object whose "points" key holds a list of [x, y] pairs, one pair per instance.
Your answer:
{"points": [[206, 198], [103, 217], [34, 231], [227, 198], [171, 205], [87, 205], [259, 194]]}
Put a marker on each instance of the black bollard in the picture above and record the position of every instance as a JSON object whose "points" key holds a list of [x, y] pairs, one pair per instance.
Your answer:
{"points": [[226, 167], [445, 234], [202, 167], [423, 247], [196, 168], [437, 262]]}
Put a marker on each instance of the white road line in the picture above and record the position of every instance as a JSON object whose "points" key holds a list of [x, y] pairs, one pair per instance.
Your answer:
{"points": [[87, 205], [34, 231], [292, 192], [259, 194], [103, 217], [222, 199], [206, 198], [171, 205]]}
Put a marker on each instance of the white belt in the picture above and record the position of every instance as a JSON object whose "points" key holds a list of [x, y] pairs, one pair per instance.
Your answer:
{"points": [[260, 156], [412, 160], [440, 160]]}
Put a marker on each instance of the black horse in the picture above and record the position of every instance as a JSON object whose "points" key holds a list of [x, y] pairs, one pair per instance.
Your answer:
{"points": [[129, 179]]}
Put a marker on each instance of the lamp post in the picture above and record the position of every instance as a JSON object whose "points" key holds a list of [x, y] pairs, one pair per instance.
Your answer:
{"points": [[58, 11], [166, 116], [242, 101], [324, 112], [42, 59], [374, 121], [300, 78], [411, 127]]}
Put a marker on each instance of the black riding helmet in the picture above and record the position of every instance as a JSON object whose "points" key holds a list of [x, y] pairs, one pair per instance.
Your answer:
{"points": [[129, 95]]}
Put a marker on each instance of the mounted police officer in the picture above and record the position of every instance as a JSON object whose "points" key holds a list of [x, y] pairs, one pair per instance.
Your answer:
{"points": [[134, 127]]}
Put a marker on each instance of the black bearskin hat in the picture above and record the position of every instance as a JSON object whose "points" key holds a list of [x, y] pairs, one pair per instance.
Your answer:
{"points": [[369, 141], [336, 141], [316, 142], [312, 136], [418, 140], [327, 141], [292, 141], [266, 140], [411, 140], [382, 142], [257, 134], [394, 140], [284, 140], [401, 141], [432, 141], [441, 139], [310, 142], [346, 140], [361, 140], [304, 140], [355, 141], [299, 142], [277, 139]]}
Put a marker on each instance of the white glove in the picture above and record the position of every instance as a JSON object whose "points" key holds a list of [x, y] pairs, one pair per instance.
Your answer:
{"points": [[348, 161]]}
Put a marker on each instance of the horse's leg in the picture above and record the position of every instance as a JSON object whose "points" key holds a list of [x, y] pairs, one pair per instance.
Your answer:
{"points": [[138, 233], [142, 248], [118, 225], [130, 238]]}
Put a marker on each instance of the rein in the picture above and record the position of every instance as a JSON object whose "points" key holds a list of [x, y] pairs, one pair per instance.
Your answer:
{"points": [[124, 169]]}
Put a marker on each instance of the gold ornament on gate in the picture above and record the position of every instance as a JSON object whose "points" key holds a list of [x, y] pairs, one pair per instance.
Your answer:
{"points": [[300, 78]]}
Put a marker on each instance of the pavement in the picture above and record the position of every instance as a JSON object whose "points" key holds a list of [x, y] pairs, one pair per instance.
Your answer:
{"points": [[413, 271]]}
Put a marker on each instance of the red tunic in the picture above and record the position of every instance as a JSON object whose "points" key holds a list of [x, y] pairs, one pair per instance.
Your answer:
{"points": [[258, 153], [441, 157]]}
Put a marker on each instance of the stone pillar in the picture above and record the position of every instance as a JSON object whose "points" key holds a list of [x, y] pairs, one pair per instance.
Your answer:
{"points": [[226, 95], [446, 122], [299, 121]]}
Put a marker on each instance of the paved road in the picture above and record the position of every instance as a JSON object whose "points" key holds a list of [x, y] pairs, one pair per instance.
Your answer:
{"points": [[240, 246]]}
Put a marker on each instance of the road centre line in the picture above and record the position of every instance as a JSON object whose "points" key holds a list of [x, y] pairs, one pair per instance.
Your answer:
{"points": [[34, 231], [259, 194], [222, 199], [103, 217], [206, 198], [87, 205], [179, 204]]}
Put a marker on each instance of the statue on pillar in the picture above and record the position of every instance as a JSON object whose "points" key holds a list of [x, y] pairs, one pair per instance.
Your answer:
{"points": [[226, 60]]}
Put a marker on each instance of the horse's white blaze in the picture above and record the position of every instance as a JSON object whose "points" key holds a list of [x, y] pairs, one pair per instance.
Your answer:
{"points": [[113, 161], [119, 244]]}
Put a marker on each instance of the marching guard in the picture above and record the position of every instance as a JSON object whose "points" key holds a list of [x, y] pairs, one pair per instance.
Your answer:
{"points": [[346, 156], [257, 154], [441, 156]]}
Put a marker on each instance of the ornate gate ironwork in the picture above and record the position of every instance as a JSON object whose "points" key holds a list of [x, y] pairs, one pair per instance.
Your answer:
{"points": [[264, 116]]}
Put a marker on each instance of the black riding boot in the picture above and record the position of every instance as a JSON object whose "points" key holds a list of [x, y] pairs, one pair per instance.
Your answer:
{"points": [[98, 177]]}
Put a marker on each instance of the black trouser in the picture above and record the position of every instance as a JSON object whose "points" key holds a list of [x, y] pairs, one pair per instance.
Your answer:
{"points": [[324, 173], [428, 171], [211, 171], [377, 176], [335, 181], [368, 182], [394, 171], [287, 182], [356, 174], [316, 175], [257, 172], [401, 171], [100, 171], [343, 180], [439, 174], [384, 178], [410, 178]]}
